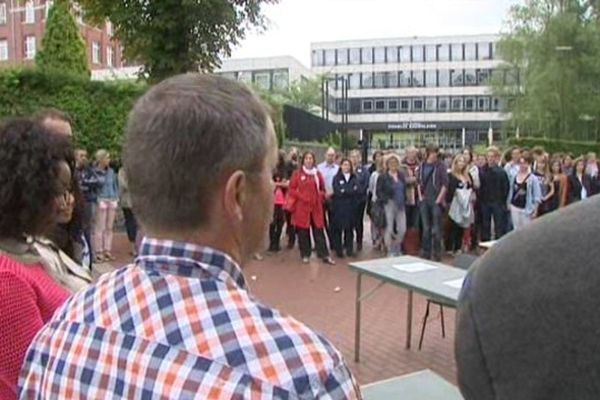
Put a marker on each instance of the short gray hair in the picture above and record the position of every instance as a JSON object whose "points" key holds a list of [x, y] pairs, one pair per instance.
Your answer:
{"points": [[183, 136]]}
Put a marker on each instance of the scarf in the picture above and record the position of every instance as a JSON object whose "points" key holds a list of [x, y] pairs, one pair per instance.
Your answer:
{"points": [[312, 172]]}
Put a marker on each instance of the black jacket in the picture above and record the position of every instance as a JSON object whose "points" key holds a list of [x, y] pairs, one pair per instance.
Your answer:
{"points": [[346, 196], [494, 186], [385, 187], [575, 188]]}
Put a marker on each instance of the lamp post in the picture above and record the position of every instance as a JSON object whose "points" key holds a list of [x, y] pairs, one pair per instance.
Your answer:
{"points": [[344, 114], [561, 100]]}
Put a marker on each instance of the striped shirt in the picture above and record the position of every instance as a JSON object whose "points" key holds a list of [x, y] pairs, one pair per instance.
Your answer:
{"points": [[179, 324]]}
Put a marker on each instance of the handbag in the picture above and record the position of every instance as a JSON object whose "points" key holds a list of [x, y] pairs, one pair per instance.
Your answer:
{"points": [[461, 210], [290, 204]]}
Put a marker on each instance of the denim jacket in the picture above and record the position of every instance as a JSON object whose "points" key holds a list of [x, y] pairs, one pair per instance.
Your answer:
{"points": [[109, 189], [534, 193]]}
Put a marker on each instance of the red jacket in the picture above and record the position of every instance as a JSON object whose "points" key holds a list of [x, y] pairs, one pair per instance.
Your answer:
{"points": [[309, 200]]}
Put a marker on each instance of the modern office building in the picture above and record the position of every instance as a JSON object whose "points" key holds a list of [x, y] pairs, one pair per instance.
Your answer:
{"points": [[22, 25], [413, 90], [268, 73]]}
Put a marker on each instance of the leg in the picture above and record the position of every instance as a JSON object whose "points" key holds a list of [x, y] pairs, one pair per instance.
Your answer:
{"points": [[400, 220], [500, 220], [336, 241], [436, 232], [409, 309], [304, 242], [486, 222], [280, 219], [424, 324], [390, 215], [360, 215], [290, 230], [320, 243], [426, 233], [357, 318], [455, 236], [129, 224], [99, 227], [111, 211], [349, 241], [442, 319]]}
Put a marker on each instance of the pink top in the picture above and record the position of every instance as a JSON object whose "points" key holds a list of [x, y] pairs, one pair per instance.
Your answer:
{"points": [[28, 299], [279, 197]]}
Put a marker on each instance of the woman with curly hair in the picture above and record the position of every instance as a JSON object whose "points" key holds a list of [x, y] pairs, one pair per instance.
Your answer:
{"points": [[35, 196]]}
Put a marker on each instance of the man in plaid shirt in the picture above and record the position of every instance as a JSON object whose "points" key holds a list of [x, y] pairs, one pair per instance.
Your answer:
{"points": [[180, 323]]}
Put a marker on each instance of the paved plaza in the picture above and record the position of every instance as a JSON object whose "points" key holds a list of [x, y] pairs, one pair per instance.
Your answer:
{"points": [[308, 293]]}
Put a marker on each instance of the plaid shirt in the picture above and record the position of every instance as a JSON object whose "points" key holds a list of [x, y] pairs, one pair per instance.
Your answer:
{"points": [[179, 324]]}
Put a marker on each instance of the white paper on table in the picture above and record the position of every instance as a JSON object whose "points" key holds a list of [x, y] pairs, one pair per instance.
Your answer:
{"points": [[414, 267], [455, 283]]}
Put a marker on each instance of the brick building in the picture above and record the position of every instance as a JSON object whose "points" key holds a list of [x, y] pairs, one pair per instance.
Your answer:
{"points": [[22, 27]]}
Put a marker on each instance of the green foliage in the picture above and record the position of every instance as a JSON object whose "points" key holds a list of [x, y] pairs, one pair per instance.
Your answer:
{"points": [[304, 94], [555, 47], [557, 146], [276, 105], [99, 109], [63, 49], [171, 37]]}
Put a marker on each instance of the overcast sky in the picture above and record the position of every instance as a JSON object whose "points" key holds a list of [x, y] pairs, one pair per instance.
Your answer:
{"points": [[294, 24]]}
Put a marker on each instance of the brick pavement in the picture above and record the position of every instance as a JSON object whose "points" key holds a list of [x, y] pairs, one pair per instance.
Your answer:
{"points": [[307, 292]]}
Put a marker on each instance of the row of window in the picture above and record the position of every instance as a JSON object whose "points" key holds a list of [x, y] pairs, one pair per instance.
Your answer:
{"points": [[265, 79], [424, 78], [29, 15], [404, 54], [421, 104], [31, 49]]}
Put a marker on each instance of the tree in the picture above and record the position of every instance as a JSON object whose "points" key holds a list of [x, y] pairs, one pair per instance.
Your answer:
{"points": [[63, 49], [551, 75], [175, 36]]}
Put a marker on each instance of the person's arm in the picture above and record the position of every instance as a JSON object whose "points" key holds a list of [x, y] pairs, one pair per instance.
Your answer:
{"points": [[444, 183], [295, 191], [550, 193], [537, 195], [21, 321], [505, 185], [563, 190]]}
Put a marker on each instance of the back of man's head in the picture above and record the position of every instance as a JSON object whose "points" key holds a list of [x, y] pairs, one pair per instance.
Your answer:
{"points": [[528, 320], [55, 120], [184, 137]]}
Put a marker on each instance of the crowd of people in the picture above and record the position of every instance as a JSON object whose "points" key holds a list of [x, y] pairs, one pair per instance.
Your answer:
{"points": [[421, 201]]}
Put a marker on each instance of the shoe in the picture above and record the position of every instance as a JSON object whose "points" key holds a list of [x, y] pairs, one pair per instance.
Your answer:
{"points": [[350, 254], [99, 258], [109, 257], [359, 247], [258, 257], [305, 260], [339, 255], [328, 261]]}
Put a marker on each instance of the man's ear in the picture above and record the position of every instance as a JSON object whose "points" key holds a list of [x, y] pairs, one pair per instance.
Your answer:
{"points": [[234, 195]]}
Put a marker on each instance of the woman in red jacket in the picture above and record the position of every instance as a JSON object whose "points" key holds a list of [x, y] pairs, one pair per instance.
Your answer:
{"points": [[35, 195], [306, 203]]}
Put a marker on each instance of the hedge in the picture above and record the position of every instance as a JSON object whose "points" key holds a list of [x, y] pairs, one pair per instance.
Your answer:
{"points": [[557, 146], [99, 109]]}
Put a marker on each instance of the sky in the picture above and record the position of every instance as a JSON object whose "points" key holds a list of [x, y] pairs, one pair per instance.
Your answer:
{"points": [[294, 24]]}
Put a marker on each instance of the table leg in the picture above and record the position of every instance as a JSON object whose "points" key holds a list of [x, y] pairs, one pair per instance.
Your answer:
{"points": [[409, 310], [357, 318]]}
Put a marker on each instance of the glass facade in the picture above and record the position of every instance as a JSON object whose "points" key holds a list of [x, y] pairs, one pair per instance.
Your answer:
{"points": [[431, 78], [431, 53], [379, 53], [367, 80], [354, 55], [391, 54], [417, 54], [329, 57], [342, 56], [405, 54], [443, 52], [366, 55], [457, 52]]}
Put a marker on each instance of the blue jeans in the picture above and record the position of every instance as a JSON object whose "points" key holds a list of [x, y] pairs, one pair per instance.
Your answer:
{"points": [[499, 213], [431, 220]]}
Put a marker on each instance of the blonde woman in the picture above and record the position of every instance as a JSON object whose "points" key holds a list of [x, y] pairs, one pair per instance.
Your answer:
{"points": [[108, 196], [459, 195], [391, 190]]}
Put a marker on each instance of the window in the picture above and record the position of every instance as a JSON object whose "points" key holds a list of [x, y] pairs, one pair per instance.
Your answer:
{"points": [[405, 105], [417, 78], [380, 105], [109, 56], [342, 56], [393, 105], [380, 79], [430, 104], [354, 81], [484, 51], [391, 54], [470, 104], [456, 76], [329, 57], [470, 77], [2, 13], [483, 77], [318, 59], [367, 80], [417, 105], [354, 56], [109, 28], [496, 106], [483, 104], [392, 79], [417, 54], [367, 105], [431, 78], [443, 104], [457, 104], [405, 79], [281, 79], [245, 77], [431, 53], [457, 52], [49, 4], [443, 78], [95, 52], [229, 75], [341, 106], [29, 13], [470, 52], [379, 55], [367, 55], [3, 50], [262, 80], [30, 47], [405, 54], [443, 52]]}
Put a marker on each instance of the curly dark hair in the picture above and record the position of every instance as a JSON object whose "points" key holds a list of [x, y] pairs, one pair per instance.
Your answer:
{"points": [[29, 168]]}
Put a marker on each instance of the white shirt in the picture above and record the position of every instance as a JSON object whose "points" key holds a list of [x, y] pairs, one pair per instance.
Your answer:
{"points": [[329, 171]]}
